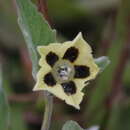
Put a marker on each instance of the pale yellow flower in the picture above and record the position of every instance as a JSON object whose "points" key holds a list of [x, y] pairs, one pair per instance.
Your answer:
{"points": [[65, 68]]}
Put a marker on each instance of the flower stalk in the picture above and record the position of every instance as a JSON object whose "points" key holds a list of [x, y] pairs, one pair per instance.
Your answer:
{"points": [[48, 111]]}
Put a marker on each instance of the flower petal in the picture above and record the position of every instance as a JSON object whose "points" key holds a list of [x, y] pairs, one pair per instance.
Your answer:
{"points": [[85, 57], [79, 84], [75, 99], [40, 84]]}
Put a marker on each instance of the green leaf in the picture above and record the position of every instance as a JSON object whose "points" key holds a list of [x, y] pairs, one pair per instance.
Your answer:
{"points": [[102, 62], [4, 108], [71, 125], [35, 29]]}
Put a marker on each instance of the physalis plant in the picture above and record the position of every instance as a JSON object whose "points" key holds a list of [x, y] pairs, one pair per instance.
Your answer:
{"points": [[65, 68]]}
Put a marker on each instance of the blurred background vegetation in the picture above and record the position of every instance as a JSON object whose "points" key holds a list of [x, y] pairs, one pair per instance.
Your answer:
{"points": [[105, 25]]}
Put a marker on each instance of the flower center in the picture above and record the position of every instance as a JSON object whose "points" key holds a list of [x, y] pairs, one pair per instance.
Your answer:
{"points": [[63, 71]]}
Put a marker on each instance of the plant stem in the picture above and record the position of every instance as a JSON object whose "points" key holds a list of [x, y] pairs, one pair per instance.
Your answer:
{"points": [[48, 111]]}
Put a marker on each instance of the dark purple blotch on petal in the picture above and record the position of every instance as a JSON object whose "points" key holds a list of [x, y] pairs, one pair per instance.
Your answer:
{"points": [[71, 54], [81, 71], [49, 79], [69, 87], [51, 58]]}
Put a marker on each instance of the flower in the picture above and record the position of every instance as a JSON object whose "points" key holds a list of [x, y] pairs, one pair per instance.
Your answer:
{"points": [[65, 68]]}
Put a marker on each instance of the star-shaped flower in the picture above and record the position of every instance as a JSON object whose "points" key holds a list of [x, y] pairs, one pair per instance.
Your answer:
{"points": [[65, 68]]}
